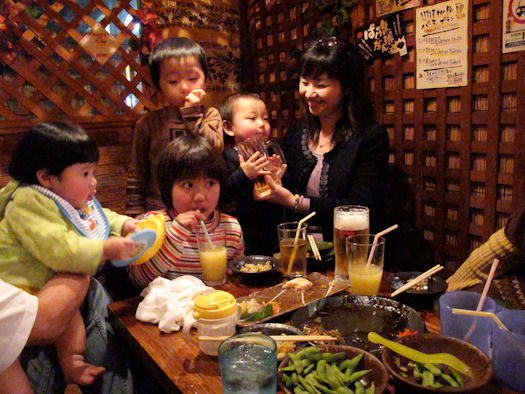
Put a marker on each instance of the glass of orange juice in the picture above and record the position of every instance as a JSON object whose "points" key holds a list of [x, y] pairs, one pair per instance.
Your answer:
{"points": [[212, 254], [365, 278]]}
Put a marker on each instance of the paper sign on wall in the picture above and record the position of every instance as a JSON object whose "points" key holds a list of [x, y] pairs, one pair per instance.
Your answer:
{"points": [[513, 25], [99, 44], [442, 45]]}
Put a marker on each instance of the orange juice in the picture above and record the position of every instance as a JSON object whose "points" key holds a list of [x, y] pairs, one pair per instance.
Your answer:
{"points": [[364, 280], [213, 264]]}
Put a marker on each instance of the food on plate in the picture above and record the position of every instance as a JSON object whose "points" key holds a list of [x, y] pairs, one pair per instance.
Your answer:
{"points": [[252, 268], [312, 370], [256, 310], [319, 331], [298, 284], [283, 348]]}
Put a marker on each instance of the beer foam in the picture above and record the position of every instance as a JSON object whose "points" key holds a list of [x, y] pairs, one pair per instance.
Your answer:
{"points": [[351, 221]]}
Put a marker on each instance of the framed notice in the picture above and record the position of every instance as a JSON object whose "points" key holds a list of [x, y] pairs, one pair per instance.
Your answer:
{"points": [[513, 26], [384, 7], [442, 45]]}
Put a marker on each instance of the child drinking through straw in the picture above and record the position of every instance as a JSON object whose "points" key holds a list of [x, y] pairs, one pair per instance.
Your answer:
{"points": [[51, 222], [190, 173]]}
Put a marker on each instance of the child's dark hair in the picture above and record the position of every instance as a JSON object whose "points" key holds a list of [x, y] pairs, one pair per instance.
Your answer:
{"points": [[342, 61], [188, 157], [177, 47], [228, 103], [51, 146]]}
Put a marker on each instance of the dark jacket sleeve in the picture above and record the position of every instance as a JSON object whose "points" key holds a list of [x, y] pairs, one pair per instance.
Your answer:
{"points": [[236, 183]]}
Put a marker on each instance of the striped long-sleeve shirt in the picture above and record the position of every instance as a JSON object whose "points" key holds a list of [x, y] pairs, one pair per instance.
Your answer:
{"points": [[179, 253]]}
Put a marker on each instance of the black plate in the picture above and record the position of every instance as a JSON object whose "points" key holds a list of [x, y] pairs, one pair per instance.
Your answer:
{"points": [[271, 329], [256, 277], [421, 299], [355, 316]]}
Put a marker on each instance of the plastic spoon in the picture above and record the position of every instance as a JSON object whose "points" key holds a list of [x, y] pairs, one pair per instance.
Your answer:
{"points": [[420, 357]]}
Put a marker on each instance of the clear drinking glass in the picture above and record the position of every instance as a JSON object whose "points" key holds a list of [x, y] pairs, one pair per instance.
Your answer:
{"points": [[277, 161], [248, 364], [213, 257], [349, 220], [292, 244], [365, 279]]}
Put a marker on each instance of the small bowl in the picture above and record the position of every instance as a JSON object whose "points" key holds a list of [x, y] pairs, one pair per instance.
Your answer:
{"points": [[260, 276], [378, 374], [478, 361], [422, 298]]}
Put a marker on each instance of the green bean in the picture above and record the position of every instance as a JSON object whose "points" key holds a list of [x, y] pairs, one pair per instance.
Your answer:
{"points": [[359, 388], [428, 378], [351, 364], [434, 369], [450, 380], [333, 380], [297, 362], [457, 375], [371, 389], [358, 375], [341, 376], [299, 390], [308, 386], [307, 351]]}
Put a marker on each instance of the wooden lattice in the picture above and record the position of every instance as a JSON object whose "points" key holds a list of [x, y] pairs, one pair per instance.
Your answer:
{"points": [[53, 77], [456, 159]]}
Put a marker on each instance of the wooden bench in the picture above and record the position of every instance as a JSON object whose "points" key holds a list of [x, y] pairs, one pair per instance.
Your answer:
{"points": [[113, 137]]}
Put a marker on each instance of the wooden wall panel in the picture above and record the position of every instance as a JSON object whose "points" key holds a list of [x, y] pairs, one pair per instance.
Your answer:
{"points": [[456, 162]]}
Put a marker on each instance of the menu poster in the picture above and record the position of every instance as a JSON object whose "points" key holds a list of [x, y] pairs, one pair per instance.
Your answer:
{"points": [[382, 38], [513, 25], [442, 45], [384, 7], [99, 44]]}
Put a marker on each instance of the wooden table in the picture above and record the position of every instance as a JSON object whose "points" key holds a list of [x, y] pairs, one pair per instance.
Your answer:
{"points": [[180, 367]]}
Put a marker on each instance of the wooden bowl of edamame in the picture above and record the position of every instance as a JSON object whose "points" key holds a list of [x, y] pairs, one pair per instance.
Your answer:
{"points": [[332, 366], [426, 379]]}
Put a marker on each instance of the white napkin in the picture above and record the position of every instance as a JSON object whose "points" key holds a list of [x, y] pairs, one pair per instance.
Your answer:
{"points": [[169, 303]]}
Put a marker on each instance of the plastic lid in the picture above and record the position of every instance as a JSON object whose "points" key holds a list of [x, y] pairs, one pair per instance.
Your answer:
{"points": [[214, 305]]}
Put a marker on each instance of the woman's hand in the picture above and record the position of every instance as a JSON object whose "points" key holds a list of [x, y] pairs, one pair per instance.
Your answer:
{"points": [[278, 194], [190, 219], [254, 166]]}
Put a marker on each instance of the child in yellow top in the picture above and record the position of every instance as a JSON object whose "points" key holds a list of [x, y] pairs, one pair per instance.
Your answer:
{"points": [[179, 69], [50, 221]]}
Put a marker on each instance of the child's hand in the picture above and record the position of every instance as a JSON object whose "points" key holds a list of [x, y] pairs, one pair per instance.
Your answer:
{"points": [[194, 98], [190, 219], [254, 166], [130, 226], [278, 168], [118, 248]]}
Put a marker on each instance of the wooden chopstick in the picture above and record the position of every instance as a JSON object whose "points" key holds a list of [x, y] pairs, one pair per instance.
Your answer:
{"points": [[314, 247], [414, 281], [279, 338]]}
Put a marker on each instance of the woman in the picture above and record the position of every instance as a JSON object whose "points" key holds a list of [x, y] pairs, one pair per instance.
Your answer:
{"points": [[338, 155]]}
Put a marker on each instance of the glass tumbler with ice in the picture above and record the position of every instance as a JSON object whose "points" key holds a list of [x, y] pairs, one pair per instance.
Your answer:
{"points": [[248, 364]]}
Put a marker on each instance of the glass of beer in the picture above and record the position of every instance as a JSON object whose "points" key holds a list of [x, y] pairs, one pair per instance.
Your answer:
{"points": [[292, 244], [276, 164], [349, 220], [365, 278]]}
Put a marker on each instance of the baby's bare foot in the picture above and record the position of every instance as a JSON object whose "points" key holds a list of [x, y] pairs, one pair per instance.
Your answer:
{"points": [[79, 372]]}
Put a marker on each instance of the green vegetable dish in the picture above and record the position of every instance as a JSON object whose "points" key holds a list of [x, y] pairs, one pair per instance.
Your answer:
{"points": [[313, 371], [431, 375]]}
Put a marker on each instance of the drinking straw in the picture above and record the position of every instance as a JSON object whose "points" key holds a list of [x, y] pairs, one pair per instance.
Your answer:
{"points": [[487, 284], [374, 244], [483, 297], [295, 244], [207, 234], [493, 316], [417, 279]]}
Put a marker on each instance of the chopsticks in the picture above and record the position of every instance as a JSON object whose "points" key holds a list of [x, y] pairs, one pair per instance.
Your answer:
{"points": [[279, 338], [314, 247], [414, 281]]}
